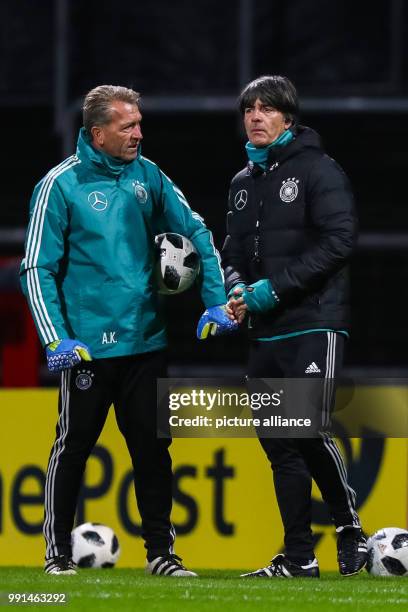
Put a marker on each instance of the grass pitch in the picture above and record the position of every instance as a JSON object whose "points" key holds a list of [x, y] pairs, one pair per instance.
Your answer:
{"points": [[128, 590]]}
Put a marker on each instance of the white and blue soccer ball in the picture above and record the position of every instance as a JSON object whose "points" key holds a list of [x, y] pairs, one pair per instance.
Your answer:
{"points": [[178, 263], [388, 552], [94, 546]]}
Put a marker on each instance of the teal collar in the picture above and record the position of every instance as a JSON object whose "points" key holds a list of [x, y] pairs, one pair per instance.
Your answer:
{"points": [[110, 165], [259, 155]]}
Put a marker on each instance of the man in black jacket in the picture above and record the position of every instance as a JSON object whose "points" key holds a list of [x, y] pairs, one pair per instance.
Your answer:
{"points": [[291, 229]]}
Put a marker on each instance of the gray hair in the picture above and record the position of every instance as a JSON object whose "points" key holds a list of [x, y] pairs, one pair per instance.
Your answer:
{"points": [[96, 109]]}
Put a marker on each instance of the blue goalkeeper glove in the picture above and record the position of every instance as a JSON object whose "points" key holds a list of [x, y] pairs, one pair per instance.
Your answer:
{"points": [[63, 354], [215, 321], [260, 296]]}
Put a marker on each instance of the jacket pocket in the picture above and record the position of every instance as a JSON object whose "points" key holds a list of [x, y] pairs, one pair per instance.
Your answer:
{"points": [[109, 314], [151, 315]]}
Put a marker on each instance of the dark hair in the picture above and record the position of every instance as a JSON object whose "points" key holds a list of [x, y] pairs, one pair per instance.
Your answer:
{"points": [[96, 109], [276, 91]]}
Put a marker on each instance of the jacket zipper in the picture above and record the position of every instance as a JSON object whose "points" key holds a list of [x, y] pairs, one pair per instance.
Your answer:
{"points": [[257, 238], [256, 257]]}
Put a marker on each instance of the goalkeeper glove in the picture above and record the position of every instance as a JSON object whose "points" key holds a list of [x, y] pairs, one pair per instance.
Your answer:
{"points": [[260, 296], [215, 321], [63, 354]]}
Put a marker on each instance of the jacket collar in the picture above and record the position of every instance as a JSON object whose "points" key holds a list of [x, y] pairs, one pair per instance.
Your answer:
{"points": [[106, 164], [304, 138]]}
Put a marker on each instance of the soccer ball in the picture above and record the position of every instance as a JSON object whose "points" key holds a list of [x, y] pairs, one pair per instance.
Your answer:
{"points": [[94, 545], [178, 263], [388, 552]]}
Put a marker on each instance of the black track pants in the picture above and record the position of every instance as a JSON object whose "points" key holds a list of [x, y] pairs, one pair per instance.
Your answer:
{"points": [[296, 461], [87, 391]]}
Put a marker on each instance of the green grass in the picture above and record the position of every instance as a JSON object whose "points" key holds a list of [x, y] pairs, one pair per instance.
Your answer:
{"points": [[128, 590]]}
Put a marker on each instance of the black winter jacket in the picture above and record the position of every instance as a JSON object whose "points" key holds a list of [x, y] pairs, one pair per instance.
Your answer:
{"points": [[296, 225]]}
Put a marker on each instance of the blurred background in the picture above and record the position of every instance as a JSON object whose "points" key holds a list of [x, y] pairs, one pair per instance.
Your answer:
{"points": [[349, 61]]}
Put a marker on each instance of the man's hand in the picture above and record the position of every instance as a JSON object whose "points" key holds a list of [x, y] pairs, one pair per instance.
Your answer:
{"points": [[236, 308], [215, 321], [258, 297], [64, 354]]}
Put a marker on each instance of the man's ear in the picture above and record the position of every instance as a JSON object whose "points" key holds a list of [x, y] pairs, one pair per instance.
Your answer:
{"points": [[97, 135]]}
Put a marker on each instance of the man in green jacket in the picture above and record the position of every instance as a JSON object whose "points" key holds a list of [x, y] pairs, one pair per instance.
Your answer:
{"points": [[88, 274]]}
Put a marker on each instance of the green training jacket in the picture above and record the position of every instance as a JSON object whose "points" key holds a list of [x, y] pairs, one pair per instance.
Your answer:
{"points": [[88, 270]]}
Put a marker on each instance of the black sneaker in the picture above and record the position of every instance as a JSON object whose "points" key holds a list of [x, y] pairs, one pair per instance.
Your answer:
{"points": [[61, 565], [351, 550], [281, 567], [168, 565]]}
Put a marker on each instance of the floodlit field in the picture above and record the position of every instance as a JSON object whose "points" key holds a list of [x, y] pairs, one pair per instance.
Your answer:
{"points": [[126, 589]]}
